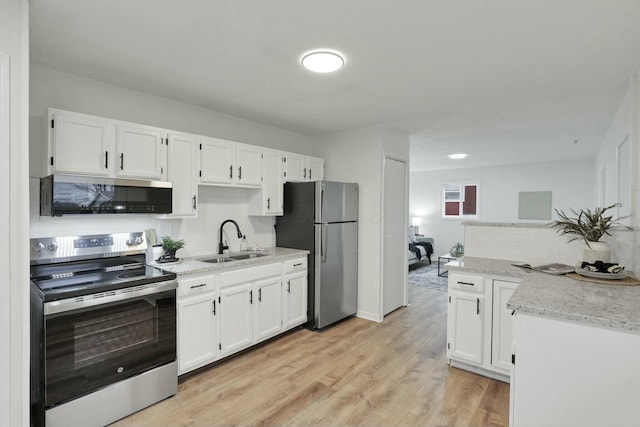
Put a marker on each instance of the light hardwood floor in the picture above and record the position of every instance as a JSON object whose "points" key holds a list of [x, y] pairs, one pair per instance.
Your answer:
{"points": [[357, 373]]}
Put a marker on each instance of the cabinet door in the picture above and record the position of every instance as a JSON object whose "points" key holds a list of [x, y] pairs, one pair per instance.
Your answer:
{"points": [[80, 144], [273, 185], [217, 157], [295, 299], [294, 165], [197, 332], [181, 168], [315, 169], [268, 308], [236, 317], [465, 326], [141, 151], [248, 165], [502, 325]]}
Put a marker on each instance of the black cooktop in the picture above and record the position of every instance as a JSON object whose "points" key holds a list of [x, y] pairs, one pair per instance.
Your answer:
{"points": [[77, 278]]}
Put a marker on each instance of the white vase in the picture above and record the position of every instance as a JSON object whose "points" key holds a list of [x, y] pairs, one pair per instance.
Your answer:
{"points": [[599, 251]]}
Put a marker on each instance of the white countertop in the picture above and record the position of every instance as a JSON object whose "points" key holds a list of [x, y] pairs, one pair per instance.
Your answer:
{"points": [[194, 265], [563, 298]]}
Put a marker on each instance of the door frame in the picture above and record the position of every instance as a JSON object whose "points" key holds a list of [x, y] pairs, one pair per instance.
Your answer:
{"points": [[388, 155]]}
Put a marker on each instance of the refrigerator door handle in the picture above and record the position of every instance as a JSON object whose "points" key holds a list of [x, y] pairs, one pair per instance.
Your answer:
{"points": [[323, 243], [321, 207]]}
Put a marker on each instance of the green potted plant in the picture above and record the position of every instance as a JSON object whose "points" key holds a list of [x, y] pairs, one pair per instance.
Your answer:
{"points": [[589, 226], [170, 247], [457, 250]]}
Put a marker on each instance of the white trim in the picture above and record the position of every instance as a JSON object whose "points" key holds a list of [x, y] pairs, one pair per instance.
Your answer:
{"points": [[5, 225]]}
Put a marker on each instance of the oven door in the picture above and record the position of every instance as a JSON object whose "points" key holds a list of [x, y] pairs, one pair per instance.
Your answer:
{"points": [[97, 340]]}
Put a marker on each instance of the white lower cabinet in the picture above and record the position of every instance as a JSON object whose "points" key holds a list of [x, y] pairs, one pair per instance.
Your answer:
{"points": [[294, 293], [198, 326], [222, 313], [466, 323], [479, 325], [268, 308], [236, 318]]}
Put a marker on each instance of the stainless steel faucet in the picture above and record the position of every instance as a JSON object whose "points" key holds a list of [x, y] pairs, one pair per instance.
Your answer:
{"points": [[222, 246]]}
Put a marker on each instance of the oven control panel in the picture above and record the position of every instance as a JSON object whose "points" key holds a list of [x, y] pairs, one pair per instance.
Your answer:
{"points": [[69, 248]]}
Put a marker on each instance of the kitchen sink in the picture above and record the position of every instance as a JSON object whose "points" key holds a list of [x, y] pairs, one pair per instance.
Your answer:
{"points": [[217, 260], [247, 256], [230, 258]]}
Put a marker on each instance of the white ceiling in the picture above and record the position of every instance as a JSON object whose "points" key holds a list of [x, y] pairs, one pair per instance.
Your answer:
{"points": [[506, 81]]}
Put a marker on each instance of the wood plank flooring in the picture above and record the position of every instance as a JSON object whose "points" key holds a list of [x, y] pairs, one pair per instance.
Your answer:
{"points": [[357, 373]]}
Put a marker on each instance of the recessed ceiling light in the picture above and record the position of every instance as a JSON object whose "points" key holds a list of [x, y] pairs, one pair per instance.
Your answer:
{"points": [[457, 156], [322, 61]]}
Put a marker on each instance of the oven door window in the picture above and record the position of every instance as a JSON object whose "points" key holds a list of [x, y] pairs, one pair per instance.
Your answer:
{"points": [[90, 348]]}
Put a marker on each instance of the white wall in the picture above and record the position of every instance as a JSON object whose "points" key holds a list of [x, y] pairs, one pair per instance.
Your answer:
{"points": [[14, 226], [52, 88], [571, 184], [356, 156], [58, 89]]}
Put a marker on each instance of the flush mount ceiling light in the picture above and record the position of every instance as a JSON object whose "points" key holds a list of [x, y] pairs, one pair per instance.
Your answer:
{"points": [[457, 156], [322, 61]]}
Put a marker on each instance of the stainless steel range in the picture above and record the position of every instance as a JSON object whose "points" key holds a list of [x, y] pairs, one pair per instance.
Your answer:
{"points": [[103, 341]]}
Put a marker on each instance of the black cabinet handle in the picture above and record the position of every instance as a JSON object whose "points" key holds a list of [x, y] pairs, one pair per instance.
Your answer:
{"points": [[106, 160], [268, 203], [309, 173], [121, 161], [260, 294], [198, 286], [305, 173], [239, 173], [231, 172], [466, 283], [194, 202], [289, 286], [214, 307], [477, 305], [250, 297]]}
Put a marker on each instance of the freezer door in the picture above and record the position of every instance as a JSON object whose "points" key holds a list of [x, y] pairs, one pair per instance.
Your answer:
{"points": [[336, 273], [336, 202]]}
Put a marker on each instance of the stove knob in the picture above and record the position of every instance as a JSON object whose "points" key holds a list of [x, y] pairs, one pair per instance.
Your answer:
{"points": [[139, 240], [53, 246], [38, 247], [129, 241]]}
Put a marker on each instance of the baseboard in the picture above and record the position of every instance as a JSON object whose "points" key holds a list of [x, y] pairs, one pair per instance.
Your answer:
{"points": [[374, 317]]}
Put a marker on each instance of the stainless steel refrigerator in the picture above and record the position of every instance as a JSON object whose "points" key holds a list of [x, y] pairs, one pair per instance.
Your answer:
{"points": [[322, 217]]}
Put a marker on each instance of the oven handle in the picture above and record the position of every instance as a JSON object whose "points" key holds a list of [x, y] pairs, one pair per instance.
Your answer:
{"points": [[75, 303]]}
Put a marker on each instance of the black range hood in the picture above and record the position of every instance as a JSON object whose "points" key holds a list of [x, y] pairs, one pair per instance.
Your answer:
{"points": [[73, 194]]}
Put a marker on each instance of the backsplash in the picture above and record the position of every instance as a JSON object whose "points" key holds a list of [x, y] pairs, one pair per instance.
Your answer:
{"points": [[200, 234], [536, 243]]}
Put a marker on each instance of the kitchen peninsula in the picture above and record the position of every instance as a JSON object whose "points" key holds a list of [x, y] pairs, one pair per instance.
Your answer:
{"points": [[575, 347]]}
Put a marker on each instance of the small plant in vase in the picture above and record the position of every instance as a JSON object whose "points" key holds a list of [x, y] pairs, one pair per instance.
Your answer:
{"points": [[457, 250], [170, 248], [589, 226]]}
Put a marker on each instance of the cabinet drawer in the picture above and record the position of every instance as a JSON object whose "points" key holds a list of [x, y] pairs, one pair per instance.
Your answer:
{"points": [[196, 285], [249, 274], [466, 282], [297, 264]]}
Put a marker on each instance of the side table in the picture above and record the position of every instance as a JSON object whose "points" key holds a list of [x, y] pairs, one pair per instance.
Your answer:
{"points": [[447, 257]]}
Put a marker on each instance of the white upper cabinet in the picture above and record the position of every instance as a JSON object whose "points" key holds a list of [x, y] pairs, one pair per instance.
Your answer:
{"points": [[217, 157], [182, 163], [315, 169], [141, 151], [300, 168], [90, 145], [230, 163], [268, 201], [249, 165], [80, 144]]}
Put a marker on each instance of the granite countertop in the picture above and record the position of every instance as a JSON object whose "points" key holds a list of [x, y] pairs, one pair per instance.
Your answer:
{"points": [[194, 265], [560, 297]]}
